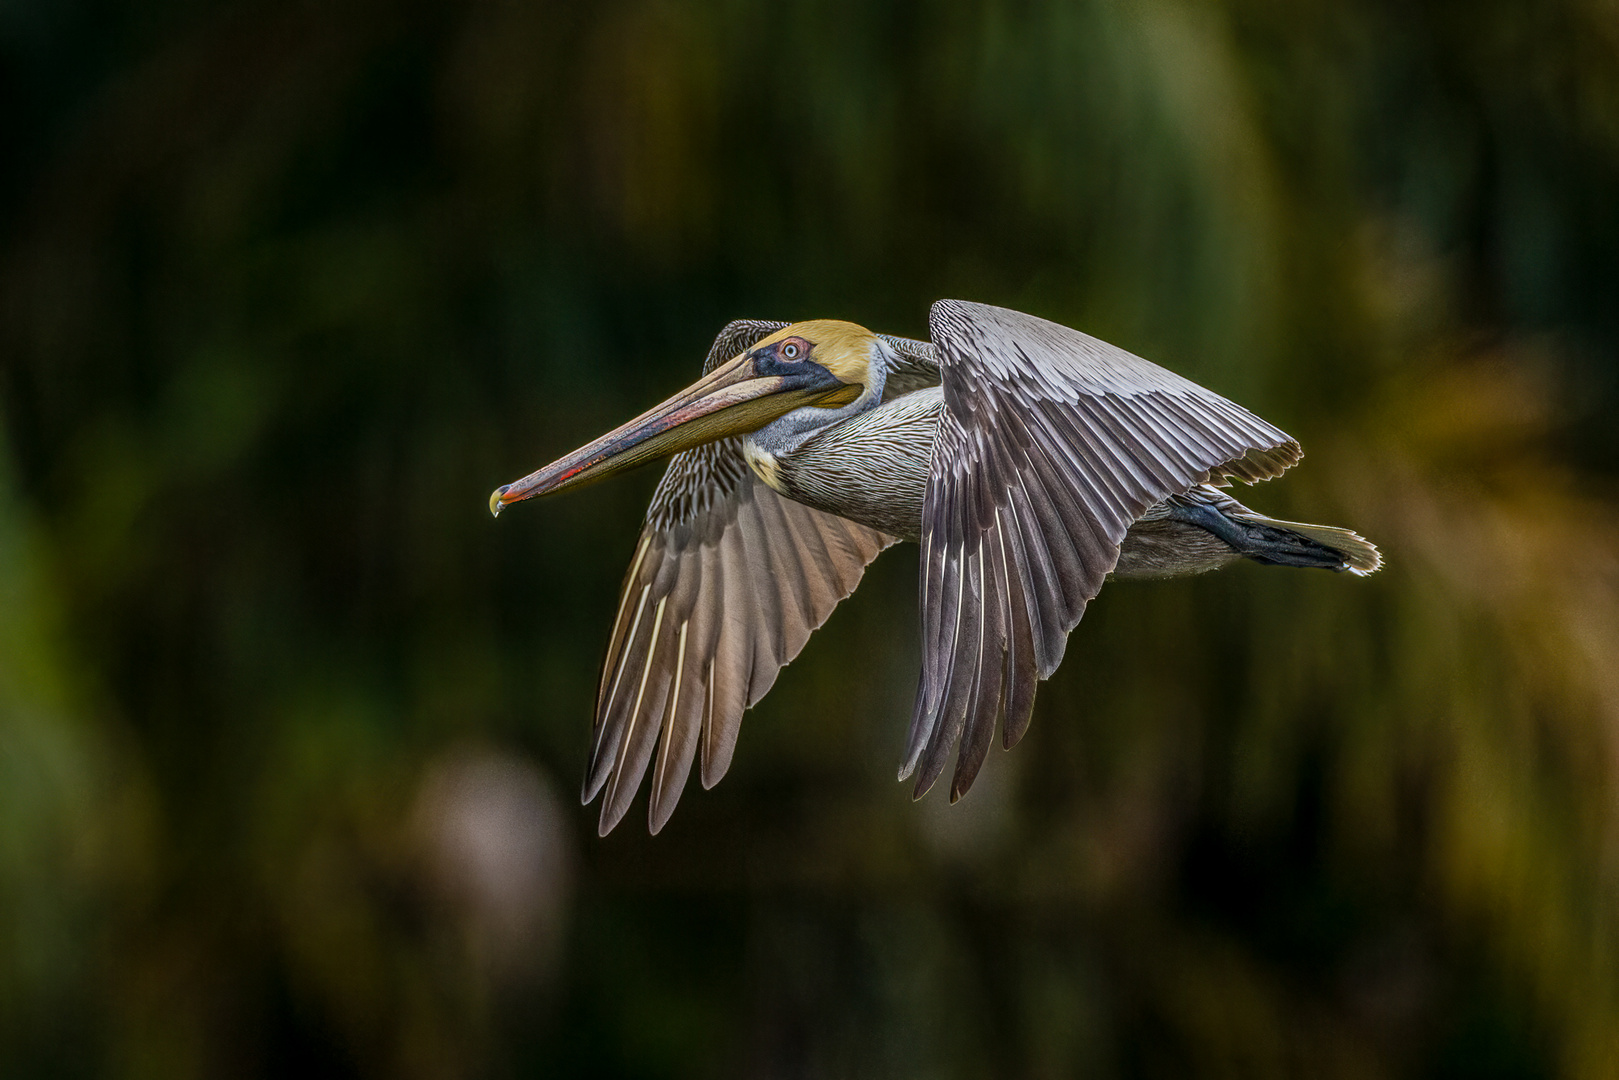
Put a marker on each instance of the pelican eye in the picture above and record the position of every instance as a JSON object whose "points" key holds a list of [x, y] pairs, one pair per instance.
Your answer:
{"points": [[790, 357]]}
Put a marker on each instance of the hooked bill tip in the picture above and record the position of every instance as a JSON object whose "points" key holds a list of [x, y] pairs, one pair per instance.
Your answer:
{"points": [[495, 505]]}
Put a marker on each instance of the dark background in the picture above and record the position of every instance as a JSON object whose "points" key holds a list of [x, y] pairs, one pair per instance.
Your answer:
{"points": [[290, 729]]}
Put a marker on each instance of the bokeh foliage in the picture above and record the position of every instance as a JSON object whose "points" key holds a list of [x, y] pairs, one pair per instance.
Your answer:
{"points": [[287, 288]]}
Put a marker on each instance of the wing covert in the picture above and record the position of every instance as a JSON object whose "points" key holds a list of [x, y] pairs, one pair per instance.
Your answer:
{"points": [[1052, 443], [915, 366]]}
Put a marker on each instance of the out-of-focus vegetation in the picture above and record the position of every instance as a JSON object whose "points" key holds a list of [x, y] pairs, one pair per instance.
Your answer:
{"points": [[289, 727]]}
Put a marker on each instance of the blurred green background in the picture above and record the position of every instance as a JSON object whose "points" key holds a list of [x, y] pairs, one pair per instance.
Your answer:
{"points": [[290, 729]]}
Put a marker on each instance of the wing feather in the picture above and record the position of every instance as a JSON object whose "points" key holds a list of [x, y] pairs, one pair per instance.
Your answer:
{"points": [[731, 663], [915, 367], [641, 721], [1022, 672], [677, 741], [614, 709]]}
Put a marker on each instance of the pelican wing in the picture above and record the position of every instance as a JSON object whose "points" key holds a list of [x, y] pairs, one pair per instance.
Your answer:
{"points": [[728, 581], [1052, 443], [915, 367]]}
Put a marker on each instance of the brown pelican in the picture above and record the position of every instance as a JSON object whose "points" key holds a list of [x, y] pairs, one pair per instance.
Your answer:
{"points": [[1030, 461]]}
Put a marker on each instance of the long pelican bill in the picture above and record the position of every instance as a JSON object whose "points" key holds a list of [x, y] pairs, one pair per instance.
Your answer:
{"points": [[730, 400]]}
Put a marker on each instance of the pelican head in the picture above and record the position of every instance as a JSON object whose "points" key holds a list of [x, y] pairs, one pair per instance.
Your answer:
{"points": [[806, 375]]}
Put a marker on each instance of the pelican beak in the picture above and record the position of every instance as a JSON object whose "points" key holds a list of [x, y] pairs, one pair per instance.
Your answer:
{"points": [[733, 399]]}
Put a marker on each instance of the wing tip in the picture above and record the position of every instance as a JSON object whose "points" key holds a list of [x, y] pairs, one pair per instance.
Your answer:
{"points": [[610, 817], [713, 769], [595, 780], [658, 816]]}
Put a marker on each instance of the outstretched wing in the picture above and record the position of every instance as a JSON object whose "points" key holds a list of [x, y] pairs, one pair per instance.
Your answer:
{"points": [[728, 580], [1052, 443]]}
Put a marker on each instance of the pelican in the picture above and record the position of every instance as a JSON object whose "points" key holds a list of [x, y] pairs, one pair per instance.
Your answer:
{"points": [[1030, 461]]}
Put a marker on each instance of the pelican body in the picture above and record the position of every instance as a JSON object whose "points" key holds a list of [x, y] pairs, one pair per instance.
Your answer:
{"points": [[1030, 461]]}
